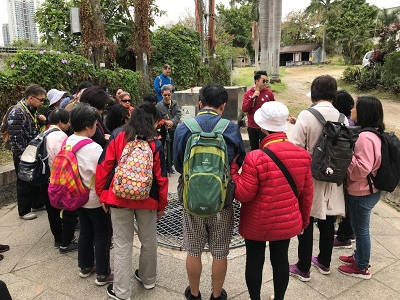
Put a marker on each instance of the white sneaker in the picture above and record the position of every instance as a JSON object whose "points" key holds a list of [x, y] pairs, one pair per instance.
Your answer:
{"points": [[146, 286], [28, 216]]}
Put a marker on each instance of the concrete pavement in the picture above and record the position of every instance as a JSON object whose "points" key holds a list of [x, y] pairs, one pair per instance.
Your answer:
{"points": [[34, 269]]}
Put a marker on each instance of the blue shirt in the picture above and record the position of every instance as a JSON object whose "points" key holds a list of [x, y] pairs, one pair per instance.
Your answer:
{"points": [[159, 81], [207, 120]]}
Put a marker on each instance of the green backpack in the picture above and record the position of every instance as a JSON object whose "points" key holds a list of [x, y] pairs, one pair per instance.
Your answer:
{"points": [[206, 171]]}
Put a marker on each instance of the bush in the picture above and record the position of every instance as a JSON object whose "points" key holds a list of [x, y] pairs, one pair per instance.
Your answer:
{"points": [[63, 71], [351, 74], [370, 77]]}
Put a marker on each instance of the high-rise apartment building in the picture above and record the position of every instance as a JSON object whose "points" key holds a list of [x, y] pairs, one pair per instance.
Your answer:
{"points": [[21, 21], [6, 34]]}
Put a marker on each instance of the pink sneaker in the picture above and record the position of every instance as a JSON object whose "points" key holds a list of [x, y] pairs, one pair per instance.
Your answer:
{"points": [[348, 260], [295, 272], [321, 268], [338, 244], [354, 271]]}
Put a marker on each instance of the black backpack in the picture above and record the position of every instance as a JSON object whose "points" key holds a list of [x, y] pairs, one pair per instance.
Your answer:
{"points": [[33, 166], [334, 149], [388, 175]]}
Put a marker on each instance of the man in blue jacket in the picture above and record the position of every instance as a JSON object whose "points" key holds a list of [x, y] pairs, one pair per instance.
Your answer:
{"points": [[162, 79], [216, 229]]}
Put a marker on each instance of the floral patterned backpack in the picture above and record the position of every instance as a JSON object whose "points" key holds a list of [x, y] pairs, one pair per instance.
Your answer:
{"points": [[134, 173]]}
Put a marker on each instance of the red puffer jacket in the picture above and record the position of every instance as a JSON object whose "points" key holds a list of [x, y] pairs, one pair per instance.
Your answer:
{"points": [[105, 175], [270, 211]]}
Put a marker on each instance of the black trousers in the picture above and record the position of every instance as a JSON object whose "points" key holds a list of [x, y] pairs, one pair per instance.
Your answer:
{"points": [[95, 231], [28, 196], [345, 231], [62, 226], [255, 137], [169, 158], [255, 257], [4, 293], [326, 235]]}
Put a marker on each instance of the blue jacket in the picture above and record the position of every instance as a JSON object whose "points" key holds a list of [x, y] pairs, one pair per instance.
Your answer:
{"points": [[207, 120], [159, 81]]}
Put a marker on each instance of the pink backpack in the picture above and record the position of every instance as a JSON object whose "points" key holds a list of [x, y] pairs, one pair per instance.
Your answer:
{"points": [[66, 190]]}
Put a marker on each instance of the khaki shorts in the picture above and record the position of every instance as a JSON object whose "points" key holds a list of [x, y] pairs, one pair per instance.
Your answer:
{"points": [[217, 230]]}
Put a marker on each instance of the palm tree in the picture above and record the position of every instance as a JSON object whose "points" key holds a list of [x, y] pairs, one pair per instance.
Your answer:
{"points": [[270, 12]]}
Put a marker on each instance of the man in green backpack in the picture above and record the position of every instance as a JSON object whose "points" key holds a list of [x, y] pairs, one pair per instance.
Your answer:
{"points": [[203, 149]]}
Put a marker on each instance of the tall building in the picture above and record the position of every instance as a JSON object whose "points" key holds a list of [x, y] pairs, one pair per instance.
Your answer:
{"points": [[6, 34], [21, 21]]}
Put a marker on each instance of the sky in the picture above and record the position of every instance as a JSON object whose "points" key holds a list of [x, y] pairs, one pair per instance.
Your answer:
{"points": [[178, 8]]}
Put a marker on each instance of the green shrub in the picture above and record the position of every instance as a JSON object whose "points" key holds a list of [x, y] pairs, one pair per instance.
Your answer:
{"points": [[351, 74], [370, 77], [392, 64], [63, 71]]}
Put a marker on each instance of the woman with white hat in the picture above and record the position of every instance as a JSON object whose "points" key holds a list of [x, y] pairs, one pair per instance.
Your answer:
{"points": [[55, 96], [275, 207]]}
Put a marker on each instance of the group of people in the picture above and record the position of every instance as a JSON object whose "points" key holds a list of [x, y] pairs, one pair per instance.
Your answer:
{"points": [[274, 209]]}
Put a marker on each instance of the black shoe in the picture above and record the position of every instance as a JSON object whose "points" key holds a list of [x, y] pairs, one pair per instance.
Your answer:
{"points": [[1, 257], [73, 246], [223, 296], [171, 171], [111, 294], [4, 248], [189, 296], [57, 244]]}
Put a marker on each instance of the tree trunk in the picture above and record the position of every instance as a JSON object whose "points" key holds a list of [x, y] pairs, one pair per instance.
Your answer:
{"points": [[264, 31], [270, 46], [277, 21], [323, 42], [97, 50], [256, 39]]}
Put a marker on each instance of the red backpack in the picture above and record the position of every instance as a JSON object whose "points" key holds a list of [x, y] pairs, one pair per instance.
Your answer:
{"points": [[66, 189]]}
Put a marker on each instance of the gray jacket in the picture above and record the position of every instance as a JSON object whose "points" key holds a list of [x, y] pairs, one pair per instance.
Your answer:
{"points": [[170, 112]]}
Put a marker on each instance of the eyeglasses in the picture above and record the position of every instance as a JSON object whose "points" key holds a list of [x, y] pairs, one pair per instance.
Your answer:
{"points": [[166, 95], [127, 100], [40, 99]]}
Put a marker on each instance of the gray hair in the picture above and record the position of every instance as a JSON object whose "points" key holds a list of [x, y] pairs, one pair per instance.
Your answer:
{"points": [[166, 87]]}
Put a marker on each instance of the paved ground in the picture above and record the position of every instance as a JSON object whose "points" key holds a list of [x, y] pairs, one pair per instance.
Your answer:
{"points": [[33, 269]]}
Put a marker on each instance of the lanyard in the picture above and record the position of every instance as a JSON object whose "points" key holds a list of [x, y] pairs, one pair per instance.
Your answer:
{"points": [[275, 141], [208, 112], [29, 112]]}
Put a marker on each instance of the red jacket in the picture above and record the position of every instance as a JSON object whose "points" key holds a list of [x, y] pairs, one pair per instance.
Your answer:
{"points": [[270, 211], [247, 106], [105, 176]]}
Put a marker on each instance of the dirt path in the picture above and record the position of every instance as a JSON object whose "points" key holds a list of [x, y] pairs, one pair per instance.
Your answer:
{"points": [[298, 81]]}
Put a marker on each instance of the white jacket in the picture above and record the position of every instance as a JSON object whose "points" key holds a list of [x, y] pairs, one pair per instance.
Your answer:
{"points": [[328, 197]]}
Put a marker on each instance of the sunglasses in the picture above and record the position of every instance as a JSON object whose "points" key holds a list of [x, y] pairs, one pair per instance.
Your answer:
{"points": [[40, 99], [166, 95], [127, 100], [265, 81]]}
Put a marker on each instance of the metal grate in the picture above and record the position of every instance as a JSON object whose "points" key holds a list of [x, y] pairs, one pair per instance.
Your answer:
{"points": [[169, 227]]}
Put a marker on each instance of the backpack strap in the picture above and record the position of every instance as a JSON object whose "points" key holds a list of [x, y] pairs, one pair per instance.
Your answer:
{"points": [[317, 114], [282, 167], [369, 176], [47, 132], [78, 145], [221, 126], [193, 125], [321, 118], [81, 144], [341, 118]]}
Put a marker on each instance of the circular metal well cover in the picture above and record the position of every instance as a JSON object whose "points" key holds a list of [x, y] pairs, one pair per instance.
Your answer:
{"points": [[170, 231]]}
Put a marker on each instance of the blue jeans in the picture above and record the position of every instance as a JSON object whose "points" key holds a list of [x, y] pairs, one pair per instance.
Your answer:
{"points": [[360, 212]]}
